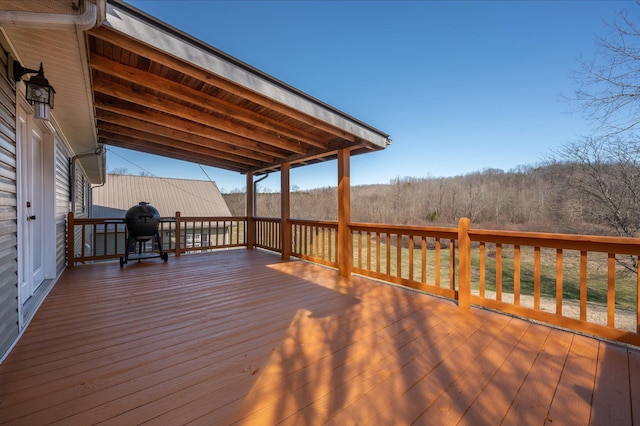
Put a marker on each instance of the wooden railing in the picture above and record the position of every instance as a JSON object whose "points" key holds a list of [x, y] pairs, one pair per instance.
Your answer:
{"points": [[211, 233], [314, 241], [104, 239], [417, 257], [589, 284], [268, 234], [585, 283]]}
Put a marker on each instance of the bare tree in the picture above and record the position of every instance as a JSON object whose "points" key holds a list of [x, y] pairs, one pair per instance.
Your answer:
{"points": [[609, 84], [606, 180], [119, 171]]}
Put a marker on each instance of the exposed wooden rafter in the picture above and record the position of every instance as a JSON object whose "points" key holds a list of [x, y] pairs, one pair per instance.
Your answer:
{"points": [[149, 100]]}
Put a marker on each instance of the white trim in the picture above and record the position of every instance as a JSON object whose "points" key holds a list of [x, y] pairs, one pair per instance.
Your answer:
{"points": [[20, 207], [49, 204], [47, 212]]}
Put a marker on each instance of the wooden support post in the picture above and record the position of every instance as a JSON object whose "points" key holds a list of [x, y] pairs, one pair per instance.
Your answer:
{"points": [[178, 235], [345, 243], [285, 213], [71, 240], [251, 222], [464, 264]]}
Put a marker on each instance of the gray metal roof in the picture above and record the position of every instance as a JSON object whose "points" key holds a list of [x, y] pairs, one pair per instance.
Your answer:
{"points": [[188, 196]]}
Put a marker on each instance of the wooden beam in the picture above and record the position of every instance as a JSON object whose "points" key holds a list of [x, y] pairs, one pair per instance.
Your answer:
{"points": [[251, 222], [172, 143], [285, 211], [107, 35], [200, 98], [116, 111], [214, 121], [174, 128], [345, 242], [144, 146]]}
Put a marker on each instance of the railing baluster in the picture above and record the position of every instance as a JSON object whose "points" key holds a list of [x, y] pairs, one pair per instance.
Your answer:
{"points": [[399, 255], [410, 258], [423, 259], [105, 229], [499, 272], [359, 249], [437, 266], [536, 278], [516, 275], [387, 253], [378, 249], [611, 289], [583, 285], [452, 265], [559, 296], [369, 260], [482, 268], [84, 238]]}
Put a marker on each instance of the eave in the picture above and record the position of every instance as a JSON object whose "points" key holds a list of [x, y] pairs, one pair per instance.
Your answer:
{"points": [[125, 79], [160, 91]]}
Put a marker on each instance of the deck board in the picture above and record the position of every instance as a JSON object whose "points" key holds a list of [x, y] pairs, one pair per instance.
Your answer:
{"points": [[494, 401], [239, 337], [611, 403], [449, 407], [574, 393]]}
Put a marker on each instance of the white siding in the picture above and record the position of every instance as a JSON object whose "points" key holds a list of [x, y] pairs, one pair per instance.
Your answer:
{"points": [[63, 198], [8, 211]]}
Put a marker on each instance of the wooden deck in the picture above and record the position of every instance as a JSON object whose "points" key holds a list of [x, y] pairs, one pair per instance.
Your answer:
{"points": [[238, 337]]}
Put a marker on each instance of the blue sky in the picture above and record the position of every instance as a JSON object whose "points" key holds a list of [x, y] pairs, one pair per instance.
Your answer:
{"points": [[460, 86]]}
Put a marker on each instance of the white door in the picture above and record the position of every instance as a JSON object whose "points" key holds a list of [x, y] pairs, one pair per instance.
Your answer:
{"points": [[30, 208]]}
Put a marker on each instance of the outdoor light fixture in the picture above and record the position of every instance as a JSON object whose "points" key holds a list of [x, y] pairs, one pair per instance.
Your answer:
{"points": [[39, 93]]}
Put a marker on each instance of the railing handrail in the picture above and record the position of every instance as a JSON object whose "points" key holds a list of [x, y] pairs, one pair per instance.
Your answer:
{"points": [[327, 223], [212, 218], [603, 244], [432, 231], [266, 219]]}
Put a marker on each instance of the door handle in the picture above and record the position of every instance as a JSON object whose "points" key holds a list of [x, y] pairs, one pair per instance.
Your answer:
{"points": [[31, 218]]}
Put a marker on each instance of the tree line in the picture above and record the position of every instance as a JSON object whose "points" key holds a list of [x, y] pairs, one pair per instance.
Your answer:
{"points": [[555, 197]]}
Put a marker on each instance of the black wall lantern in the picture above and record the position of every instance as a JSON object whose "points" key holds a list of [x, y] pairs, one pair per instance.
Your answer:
{"points": [[38, 91]]}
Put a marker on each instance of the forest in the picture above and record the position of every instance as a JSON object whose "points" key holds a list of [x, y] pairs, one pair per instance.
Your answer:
{"points": [[557, 197]]}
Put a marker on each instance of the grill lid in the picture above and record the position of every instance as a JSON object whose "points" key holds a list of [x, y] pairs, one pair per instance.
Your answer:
{"points": [[142, 219]]}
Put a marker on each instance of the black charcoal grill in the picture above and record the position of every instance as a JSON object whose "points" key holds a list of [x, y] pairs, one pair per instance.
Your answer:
{"points": [[142, 221]]}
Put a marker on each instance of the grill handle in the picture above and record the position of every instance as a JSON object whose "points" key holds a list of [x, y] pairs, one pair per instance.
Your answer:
{"points": [[145, 217]]}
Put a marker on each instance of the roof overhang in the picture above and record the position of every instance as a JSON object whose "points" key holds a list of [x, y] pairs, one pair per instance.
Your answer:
{"points": [[53, 32], [135, 82]]}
